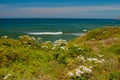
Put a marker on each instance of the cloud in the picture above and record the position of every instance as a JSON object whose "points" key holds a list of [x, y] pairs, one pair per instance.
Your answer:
{"points": [[66, 10], [3, 6], [77, 11]]}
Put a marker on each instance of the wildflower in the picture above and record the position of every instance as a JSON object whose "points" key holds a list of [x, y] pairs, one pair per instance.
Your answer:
{"points": [[39, 38], [55, 45], [71, 74], [80, 49], [100, 61], [75, 45], [4, 37], [90, 67], [85, 69], [44, 47], [81, 58], [60, 42], [33, 38], [96, 60], [7, 76], [62, 47], [29, 45], [92, 59], [48, 42], [66, 48], [78, 72], [99, 55], [53, 48]]}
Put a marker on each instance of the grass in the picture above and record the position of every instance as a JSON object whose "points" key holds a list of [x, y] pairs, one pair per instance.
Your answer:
{"points": [[28, 58]]}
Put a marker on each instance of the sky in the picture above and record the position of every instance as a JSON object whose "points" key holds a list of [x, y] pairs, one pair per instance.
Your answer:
{"points": [[59, 8]]}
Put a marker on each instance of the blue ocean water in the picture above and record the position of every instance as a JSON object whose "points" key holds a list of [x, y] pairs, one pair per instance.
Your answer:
{"points": [[52, 29]]}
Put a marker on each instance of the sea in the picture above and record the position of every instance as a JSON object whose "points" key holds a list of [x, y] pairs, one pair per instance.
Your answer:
{"points": [[51, 29]]}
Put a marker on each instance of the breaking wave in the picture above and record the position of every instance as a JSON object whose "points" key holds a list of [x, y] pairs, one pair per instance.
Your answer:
{"points": [[75, 34], [45, 33]]}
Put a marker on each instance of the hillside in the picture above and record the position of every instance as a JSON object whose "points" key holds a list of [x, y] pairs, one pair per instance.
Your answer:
{"points": [[93, 56]]}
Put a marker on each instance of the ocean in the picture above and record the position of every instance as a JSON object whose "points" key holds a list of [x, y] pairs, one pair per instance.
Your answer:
{"points": [[52, 29]]}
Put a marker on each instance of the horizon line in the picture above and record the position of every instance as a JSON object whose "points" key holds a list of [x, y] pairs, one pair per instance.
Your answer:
{"points": [[53, 18]]}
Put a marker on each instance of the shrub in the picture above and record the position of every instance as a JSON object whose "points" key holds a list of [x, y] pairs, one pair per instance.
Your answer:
{"points": [[115, 49], [114, 76]]}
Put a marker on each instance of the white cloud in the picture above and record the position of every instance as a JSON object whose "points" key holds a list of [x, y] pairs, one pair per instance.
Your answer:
{"points": [[3, 6], [69, 9], [55, 11]]}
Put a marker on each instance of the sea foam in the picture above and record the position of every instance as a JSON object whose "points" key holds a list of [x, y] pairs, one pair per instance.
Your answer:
{"points": [[45, 33]]}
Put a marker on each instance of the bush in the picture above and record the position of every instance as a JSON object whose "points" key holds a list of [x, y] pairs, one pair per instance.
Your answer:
{"points": [[115, 49], [114, 76]]}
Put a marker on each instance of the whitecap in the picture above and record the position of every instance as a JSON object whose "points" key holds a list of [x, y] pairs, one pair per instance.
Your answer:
{"points": [[84, 30], [45, 33], [75, 34]]}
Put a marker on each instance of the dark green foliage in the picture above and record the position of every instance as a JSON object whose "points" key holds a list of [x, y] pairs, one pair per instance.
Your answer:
{"points": [[114, 76], [115, 49], [6, 44]]}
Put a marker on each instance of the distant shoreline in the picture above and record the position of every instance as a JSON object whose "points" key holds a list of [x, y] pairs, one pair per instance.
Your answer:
{"points": [[57, 18]]}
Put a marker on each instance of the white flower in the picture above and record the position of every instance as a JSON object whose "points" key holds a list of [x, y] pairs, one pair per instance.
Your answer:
{"points": [[66, 49], [33, 38], [71, 74], [39, 38], [53, 48], [85, 69], [78, 72], [90, 67], [49, 42], [62, 47], [7, 76], [60, 42], [55, 45], [4, 37], [80, 49], [99, 55], [81, 58], [100, 61], [92, 59], [44, 47], [96, 60], [75, 45]]}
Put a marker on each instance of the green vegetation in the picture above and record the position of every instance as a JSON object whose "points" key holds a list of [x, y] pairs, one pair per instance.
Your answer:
{"points": [[93, 56]]}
